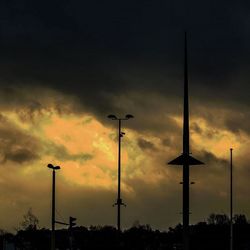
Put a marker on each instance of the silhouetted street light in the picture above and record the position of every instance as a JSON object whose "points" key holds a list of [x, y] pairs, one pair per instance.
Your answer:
{"points": [[120, 135], [53, 221], [231, 199]]}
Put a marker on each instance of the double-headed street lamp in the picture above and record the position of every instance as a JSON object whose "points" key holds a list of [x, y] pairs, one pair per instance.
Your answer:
{"points": [[53, 221], [120, 135]]}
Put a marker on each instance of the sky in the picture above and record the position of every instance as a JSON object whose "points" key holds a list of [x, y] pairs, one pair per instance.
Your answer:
{"points": [[65, 66]]}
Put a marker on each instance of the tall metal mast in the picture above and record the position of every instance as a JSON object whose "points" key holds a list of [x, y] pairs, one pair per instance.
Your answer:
{"points": [[185, 159]]}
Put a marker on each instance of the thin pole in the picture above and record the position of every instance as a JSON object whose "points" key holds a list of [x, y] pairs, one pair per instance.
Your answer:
{"points": [[119, 179], [53, 210], [119, 202], [186, 153], [70, 238], [231, 199], [186, 206]]}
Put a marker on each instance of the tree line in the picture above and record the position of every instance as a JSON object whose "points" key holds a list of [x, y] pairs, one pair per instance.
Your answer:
{"points": [[213, 233]]}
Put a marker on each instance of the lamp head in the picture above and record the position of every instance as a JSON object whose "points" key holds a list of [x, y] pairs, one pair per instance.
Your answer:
{"points": [[112, 117], [128, 116], [53, 167], [50, 166]]}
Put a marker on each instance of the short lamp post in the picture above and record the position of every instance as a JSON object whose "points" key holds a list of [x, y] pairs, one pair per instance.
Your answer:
{"points": [[53, 221]]}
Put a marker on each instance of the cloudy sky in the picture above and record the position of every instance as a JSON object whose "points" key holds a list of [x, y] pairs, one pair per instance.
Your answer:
{"points": [[66, 65]]}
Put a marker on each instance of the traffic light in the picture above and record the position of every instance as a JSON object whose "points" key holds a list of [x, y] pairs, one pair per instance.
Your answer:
{"points": [[71, 221]]}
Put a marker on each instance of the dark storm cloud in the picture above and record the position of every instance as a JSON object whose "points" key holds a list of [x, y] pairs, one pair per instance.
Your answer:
{"points": [[16, 145], [220, 117], [212, 160], [146, 145], [166, 142], [98, 50], [31, 102], [20, 155], [238, 122], [62, 154], [103, 52], [196, 128]]}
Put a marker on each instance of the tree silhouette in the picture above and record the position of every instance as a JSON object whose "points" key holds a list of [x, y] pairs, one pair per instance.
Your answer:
{"points": [[218, 219], [30, 221], [207, 235]]}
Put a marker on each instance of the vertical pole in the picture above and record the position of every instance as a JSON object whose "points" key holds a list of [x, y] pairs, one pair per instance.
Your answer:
{"points": [[70, 238], [4, 245], [70, 241], [231, 199], [186, 206], [186, 153], [119, 179], [53, 211]]}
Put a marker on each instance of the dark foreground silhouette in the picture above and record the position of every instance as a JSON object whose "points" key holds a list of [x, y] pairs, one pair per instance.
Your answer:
{"points": [[212, 234]]}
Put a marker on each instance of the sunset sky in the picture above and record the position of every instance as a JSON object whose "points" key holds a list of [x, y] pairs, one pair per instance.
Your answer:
{"points": [[66, 65]]}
